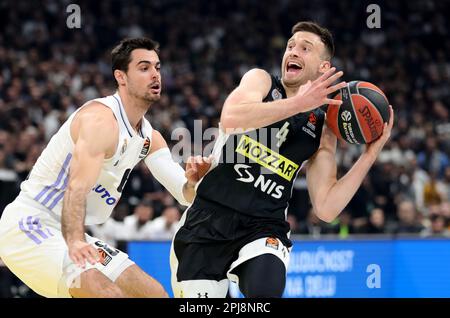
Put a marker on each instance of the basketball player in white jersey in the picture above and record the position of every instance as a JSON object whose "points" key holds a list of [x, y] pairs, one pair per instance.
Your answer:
{"points": [[77, 181]]}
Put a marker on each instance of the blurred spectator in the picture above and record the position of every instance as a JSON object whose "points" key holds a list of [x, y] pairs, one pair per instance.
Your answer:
{"points": [[407, 219], [432, 159], [165, 226], [434, 191], [377, 222], [437, 226], [343, 226], [446, 185], [113, 229], [8, 182], [293, 223], [419, 179], [137, 225], [312, 226]]}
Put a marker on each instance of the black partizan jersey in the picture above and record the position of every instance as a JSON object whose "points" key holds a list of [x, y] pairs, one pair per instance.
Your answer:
{"points": [[257, 168]]}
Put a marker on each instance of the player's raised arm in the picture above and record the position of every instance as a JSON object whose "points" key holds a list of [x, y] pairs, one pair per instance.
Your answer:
{"points": [[328, 195], [95, 134], [170, 174], [244, 107]]}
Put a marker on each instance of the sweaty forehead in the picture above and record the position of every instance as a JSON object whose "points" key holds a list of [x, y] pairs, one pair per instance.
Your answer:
{"points": [[138, 55], [307, 36]]}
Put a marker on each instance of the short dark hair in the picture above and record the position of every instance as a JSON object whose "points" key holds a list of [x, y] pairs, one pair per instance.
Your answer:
{"points": [[121, 54], [323, 33]]}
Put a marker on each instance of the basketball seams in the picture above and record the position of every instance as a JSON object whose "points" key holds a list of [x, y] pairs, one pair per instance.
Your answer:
{"points": [[364, 100], [372, 107], [379, 91], [378, 100], [356, 117], [337, 116]]}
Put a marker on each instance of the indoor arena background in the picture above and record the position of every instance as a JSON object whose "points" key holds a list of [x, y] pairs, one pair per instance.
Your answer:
{"points": [[392, 240]]}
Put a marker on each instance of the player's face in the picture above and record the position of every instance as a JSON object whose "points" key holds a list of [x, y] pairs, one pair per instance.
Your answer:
{"points": [[302, 59], [144, 75]]}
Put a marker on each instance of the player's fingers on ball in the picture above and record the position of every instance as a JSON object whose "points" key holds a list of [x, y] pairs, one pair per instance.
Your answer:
{"points": [[386, 131], [333, 78], [336, 87], [333, 101], [391, 118]]}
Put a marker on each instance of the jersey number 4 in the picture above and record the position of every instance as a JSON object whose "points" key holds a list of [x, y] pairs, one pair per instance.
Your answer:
{"points": [[281, 134]]}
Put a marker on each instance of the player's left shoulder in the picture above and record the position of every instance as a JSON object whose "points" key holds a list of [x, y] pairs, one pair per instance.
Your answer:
{"points": [[158, 141]]}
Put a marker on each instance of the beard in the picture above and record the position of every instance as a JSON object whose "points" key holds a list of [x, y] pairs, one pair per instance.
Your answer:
{"points": [[146, 97], [151, 98]]}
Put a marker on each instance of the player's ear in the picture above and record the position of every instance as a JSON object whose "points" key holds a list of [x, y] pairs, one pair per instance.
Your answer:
{"points": [[120, 77], [324, 66]]}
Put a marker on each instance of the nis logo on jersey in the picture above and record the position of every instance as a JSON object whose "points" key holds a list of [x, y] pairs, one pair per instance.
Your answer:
{"points": [[266, 157], [264, 184]]}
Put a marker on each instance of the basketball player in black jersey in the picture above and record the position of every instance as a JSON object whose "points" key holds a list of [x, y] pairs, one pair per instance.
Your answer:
{"points": [[236, 227]]}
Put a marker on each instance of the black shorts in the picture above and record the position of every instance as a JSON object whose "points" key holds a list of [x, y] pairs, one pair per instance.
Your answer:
{"points": [[212, 235]]}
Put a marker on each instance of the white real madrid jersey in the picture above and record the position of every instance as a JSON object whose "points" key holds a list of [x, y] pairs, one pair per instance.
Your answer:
{"points": [[49, 177]]}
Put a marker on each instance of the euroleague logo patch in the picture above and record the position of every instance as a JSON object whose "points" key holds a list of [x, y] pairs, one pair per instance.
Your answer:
{"points": [[145, 149], [272, 243], [105, 252], [346, 115], [104, 257]]}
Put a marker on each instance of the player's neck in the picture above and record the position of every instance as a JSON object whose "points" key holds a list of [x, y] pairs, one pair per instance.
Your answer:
{"points": [[134, 108], [290, 91]]}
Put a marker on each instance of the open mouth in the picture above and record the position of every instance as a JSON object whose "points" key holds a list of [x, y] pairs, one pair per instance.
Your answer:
{"points": [[294, 67], [155, 87]]}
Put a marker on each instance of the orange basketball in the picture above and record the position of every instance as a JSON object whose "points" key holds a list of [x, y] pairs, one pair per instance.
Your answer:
{"points": [[360, 117]]}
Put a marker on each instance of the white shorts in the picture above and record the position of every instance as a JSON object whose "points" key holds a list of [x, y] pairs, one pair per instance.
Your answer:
{"points": [[33, 248]]}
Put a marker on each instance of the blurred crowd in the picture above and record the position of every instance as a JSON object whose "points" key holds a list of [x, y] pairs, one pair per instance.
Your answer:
{"points": [[48, 70]]}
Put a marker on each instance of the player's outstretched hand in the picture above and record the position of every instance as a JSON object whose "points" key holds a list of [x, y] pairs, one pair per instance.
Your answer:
{"points": [[197, 167], [80, 251], [375, 147], [315, 94]]}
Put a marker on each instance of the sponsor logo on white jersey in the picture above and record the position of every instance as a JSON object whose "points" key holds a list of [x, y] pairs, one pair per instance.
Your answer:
{"points": [[109, 200]]}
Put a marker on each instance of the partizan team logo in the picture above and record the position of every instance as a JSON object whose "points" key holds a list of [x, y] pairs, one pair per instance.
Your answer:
{"points": [[276, 94], [145, 149]]}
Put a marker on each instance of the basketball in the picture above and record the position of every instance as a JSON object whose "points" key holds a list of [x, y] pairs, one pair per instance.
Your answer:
{"points": [[360, 117]]}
